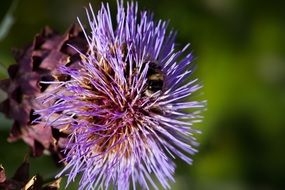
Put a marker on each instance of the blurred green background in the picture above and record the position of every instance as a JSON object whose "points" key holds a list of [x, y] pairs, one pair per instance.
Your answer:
{"points": [[239, 47]]}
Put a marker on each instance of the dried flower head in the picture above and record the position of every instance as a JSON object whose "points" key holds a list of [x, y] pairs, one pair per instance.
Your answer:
{"points": [[35, 63], [125, 104]]}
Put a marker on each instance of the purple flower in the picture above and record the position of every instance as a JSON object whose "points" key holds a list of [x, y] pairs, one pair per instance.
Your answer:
{"points": [[126, 104]]}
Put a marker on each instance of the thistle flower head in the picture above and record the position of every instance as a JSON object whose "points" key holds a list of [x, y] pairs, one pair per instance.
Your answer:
{"points": [[124, 105]]}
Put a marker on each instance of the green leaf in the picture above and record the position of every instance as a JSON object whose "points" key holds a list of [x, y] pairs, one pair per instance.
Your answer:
{"points": [[3, 71], [8, 21]]}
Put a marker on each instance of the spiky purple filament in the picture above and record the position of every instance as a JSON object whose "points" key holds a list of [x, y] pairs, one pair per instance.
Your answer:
{"points": [[118, 132]]}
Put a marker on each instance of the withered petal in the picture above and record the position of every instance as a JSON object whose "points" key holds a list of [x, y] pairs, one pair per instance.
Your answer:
{"points": [[35, 183], [53, 60], [2, 174], [54, 185], [13, 70], [4, 84], [15, 132], [5, 107], [40, 38], [22, 173]]}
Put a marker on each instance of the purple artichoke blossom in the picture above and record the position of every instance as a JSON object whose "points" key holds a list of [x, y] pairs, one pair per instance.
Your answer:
{"points": [[124, 106]]}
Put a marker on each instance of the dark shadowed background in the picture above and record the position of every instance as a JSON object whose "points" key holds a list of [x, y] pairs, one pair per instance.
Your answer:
{"points": [[239, 47]]}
